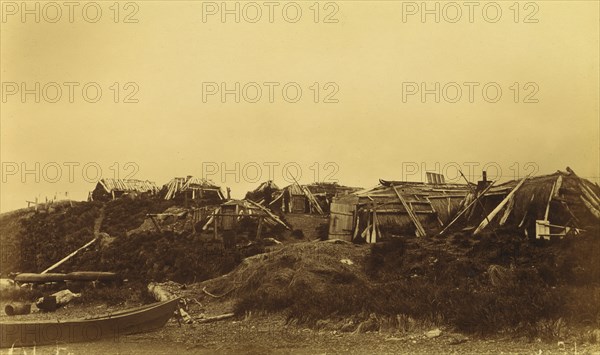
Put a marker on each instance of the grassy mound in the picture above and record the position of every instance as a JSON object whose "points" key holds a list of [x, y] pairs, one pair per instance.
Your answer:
{"points": [[310, 280], [481, 286]]}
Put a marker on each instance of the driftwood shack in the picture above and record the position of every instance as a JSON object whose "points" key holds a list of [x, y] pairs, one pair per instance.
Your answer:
{"points": [[296, 198], [546, 206], [396, 207], [236, 216], [110, 189], [192, 188], [555, 205]]}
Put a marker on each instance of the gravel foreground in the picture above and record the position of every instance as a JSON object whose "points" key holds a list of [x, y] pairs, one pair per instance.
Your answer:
{"points": [[260, 334]]}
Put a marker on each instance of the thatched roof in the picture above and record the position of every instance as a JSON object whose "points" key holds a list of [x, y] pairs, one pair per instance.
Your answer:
{"points": [[562, 198], [128, 185], [190, 183]]}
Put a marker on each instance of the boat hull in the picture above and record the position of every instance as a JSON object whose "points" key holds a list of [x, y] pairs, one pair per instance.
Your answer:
{"points": [[112, 326]]}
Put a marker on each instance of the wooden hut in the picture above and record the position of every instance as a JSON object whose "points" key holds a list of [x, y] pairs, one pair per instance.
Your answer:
{"points": [[192, 188], [544, 206], [395, 207], [110, 189], [295, 198]]}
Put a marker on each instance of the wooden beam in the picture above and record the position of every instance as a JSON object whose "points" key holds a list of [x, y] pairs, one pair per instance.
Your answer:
{"points": [[550, 200], [69, 256], [466, 208], [155, 223], [507, 211], [590, 207], [271, 214], [437, 216], [420, 230], [491, 216]]}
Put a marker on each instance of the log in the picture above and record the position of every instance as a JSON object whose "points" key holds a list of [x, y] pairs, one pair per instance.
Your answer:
{"points": [[215, 318], [159, 293], [69, 256]]}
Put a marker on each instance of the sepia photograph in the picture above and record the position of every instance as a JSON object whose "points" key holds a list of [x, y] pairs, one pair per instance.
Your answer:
{"points": [[299, 177]]}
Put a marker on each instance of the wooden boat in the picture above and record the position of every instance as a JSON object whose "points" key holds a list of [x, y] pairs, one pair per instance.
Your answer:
{"points": [[112, 326]]}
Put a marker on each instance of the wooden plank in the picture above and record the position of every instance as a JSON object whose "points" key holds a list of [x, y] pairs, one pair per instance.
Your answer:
{"points": [[491, 216], [437, 216], [550, 200], [341, 220], [312, 199], [155, 223], [507, 211], [526, 210], [57, 264], [375, 228], [590, 195], [356, 227], [446, 196], [467, 208], [403, 211], [271, 214], [413, 217], [559, 182], [590, 207]]}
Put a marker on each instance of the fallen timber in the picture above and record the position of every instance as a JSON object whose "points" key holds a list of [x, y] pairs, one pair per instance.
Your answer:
{"points": [[72, 276]]}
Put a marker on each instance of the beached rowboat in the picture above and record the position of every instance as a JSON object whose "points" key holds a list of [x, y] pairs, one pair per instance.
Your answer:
{"points": [[111, 326]]}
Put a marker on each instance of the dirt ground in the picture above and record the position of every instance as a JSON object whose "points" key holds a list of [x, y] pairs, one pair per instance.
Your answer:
{"points": [[268, 335], [259, 334]]}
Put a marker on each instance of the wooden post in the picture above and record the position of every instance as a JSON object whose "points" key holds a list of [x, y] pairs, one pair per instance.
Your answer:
{"points": [[259, 229], [215, 218], [550, 200]]}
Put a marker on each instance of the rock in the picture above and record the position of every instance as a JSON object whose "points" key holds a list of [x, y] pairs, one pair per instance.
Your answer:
{"points": [[65, 296], [348, 327], [456, 339], [322, 324], [347, 262], [370, 325], [7, 285], [595, 336], [393, 339], [434, 333]]}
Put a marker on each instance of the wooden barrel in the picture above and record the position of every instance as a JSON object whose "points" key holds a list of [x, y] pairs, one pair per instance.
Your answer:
{"points": [[14, 309]]}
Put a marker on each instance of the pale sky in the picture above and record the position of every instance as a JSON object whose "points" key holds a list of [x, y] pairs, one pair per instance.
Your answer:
{"points": [[375, 52]]}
